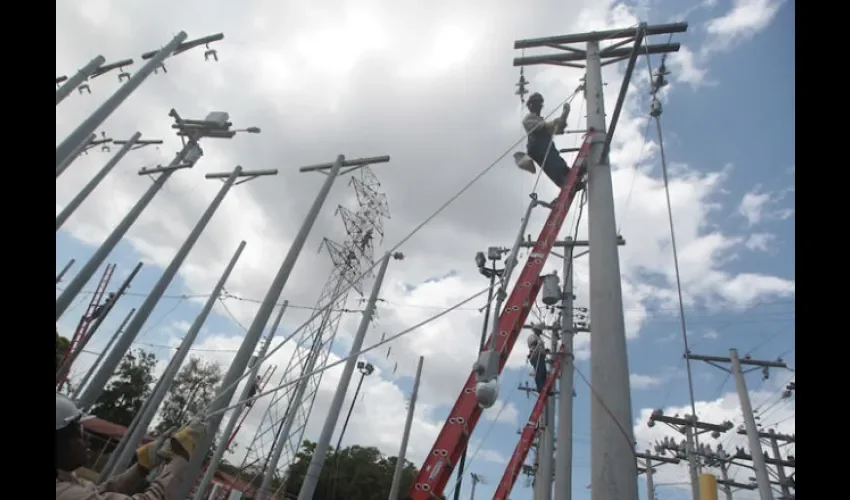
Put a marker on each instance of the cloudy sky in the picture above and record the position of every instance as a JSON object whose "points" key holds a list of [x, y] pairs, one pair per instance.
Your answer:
{"points": [[432, 86]]}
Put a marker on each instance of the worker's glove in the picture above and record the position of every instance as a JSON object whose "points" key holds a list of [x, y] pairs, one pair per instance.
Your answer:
{"points": [[189, 435], [151, 455], [566, 110]]}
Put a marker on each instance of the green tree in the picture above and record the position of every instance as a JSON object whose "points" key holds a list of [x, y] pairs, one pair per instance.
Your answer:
{"points": [[62, 345], [128, 388], [353, 472], [192, 391]]}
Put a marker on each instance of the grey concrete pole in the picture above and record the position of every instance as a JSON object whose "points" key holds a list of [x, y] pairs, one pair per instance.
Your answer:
{"points": [[408, 424], [100, 356], [759, 465], [724, 474], [564, 450], [546, 470], [73, 155], [81, 76], [237, 412], [148, 411], [93, 183], [613, 468], [89, 268], [780, 469], [240, 361], [123, 344], [311, 478], [650, 483], [692, 462], [107, 108], [64, 270]]}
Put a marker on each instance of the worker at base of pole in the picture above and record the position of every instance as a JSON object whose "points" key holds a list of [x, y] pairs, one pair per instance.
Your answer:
{"points": [[72, 452], [537, 358], [541, 148]]}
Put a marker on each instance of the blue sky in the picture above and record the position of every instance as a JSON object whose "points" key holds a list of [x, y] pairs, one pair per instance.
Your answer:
{"points": [[729, 139]]}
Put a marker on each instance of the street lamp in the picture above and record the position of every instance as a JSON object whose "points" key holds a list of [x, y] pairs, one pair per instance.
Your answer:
{"points": [[365, 370]]}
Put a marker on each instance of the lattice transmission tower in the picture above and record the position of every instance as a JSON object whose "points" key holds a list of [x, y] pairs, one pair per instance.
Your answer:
{"points": [[364, 230]]}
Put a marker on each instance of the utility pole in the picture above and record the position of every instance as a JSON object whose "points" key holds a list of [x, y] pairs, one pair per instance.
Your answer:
{"points": [[134, 328], [762, 477], [689, 426], [82, 75], [545, 472], [649, 469], [75, 396], [226, 435], [365, 370], [476, 478], [564, 450], [75, 153], [216, 125], [613, 470], [252, 336], [133, 143], [314, 470], [64, 270], [399, 466], [137, 431]]}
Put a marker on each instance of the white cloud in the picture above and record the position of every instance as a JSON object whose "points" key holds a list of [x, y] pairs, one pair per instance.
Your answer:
{"points": [[758, 206], [746, 19], [440, 120], [639, 381], [760, 241]]}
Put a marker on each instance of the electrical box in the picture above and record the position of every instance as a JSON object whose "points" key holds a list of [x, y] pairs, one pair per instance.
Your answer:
{"points": [[193, 154], [494, 253], [551, 289], [220, 118]]}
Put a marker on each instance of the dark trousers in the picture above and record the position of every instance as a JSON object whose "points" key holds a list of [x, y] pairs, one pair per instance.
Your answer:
{"points": [[554, 167], [540, 372]]}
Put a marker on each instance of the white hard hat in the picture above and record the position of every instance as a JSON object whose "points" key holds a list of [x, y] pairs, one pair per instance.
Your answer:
{"points": [[67, 412], [532, 340]]}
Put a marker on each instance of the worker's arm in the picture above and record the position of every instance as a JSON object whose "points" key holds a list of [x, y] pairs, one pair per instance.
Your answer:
{"points": [[128, 482], [557, 126], [163, 487]]}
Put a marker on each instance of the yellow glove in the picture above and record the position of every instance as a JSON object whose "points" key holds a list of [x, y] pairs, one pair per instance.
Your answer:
{"points": [[149, 455], [189, 435]]}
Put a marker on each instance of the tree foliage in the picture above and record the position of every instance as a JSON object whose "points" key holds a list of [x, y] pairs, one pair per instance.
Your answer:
{"points": [[193, 390], [128, 388], [353, 472], [62, 345]]}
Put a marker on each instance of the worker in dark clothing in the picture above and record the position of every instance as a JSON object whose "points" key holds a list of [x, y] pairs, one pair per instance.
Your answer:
{"points": [[253, 392], [541, 147], [537, 358]]}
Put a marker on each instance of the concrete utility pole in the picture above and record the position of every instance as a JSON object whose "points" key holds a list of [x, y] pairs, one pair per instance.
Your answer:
{"points": [[476, 478], [81, 76], [689, 426], [649, 469], [762, 476], [216, 125], [252, 336], [613, 470], [408, 424], [75, 396], [237, 412], [64, 270], [74, 154], [133, 437], [134, 328], [564, 450], [314, 470], [545, 471], [126, 146]]}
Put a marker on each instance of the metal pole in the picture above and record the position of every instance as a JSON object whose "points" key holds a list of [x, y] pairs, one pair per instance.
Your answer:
{"points": [[759, 465], [165, 381], [350, 410], [546, 469], [67, 296], [692, 462], [724, 474], [237, 368], [73, 155], [472, 495], [650, 484], [564, 450], [237, 412], [294, 403], [103, 352], [107, 108], [613, 467], [64, 270], [87, 190], [102, 376], [66, 366], [780, 469], [311, 478], [461, 469], [399, 465], [81, 76]]}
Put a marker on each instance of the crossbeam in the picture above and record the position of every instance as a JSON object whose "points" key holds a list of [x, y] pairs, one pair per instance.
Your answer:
{"points": [[598, 36]]}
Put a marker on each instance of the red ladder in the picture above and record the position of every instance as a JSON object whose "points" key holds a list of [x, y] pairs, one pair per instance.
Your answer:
{"points": [[527, 436], [85, 321], [454, 436]]}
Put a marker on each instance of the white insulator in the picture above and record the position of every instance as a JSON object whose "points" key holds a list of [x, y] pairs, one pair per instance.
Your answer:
{"points": [[487, 393]]}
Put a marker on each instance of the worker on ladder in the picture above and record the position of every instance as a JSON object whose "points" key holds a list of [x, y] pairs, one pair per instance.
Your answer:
{"points": [[541, 147], [537, 358], [72, 452]]}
